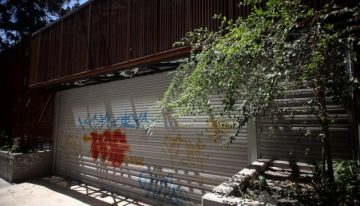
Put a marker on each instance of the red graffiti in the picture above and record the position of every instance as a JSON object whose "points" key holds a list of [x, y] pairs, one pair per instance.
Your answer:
{"points": [[109, 146]]}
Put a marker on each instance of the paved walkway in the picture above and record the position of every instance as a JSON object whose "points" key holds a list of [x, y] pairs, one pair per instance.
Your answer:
{"points": [[3, 183], [56, 191]]}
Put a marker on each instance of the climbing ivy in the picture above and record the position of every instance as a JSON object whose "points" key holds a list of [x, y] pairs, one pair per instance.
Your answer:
{"points": [[252, 62]]}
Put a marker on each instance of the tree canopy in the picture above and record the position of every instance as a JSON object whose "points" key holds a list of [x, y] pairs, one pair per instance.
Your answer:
{"points": [[20, 18], [253, 62]]}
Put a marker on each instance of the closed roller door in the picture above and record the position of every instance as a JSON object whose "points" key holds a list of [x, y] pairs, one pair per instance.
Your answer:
{"points": [[288, 140], [102, 139]]}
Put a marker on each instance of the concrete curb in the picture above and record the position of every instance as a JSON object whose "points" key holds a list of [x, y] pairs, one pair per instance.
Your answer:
{"points": [[222, 195]]}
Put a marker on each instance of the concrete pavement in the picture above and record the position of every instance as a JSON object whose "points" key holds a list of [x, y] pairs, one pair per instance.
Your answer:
{"points": [[3, 183], [57, 191]]}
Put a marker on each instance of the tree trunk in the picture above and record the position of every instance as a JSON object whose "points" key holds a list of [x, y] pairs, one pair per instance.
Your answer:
{"points": [[327, 149], [323, 116]]}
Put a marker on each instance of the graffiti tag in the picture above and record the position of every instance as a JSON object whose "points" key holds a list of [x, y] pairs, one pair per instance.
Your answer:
{"points": [[101, 121], [134, 160], [187, 152], [161, 187], [108, 146], [217, 130]]}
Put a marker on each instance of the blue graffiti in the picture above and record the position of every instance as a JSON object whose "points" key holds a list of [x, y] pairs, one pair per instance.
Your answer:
{"points": [[162, 188], [102, 121], [125, 121]]}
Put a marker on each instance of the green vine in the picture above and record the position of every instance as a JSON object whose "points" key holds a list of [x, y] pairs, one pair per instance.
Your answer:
{"points": [[252, 62]]}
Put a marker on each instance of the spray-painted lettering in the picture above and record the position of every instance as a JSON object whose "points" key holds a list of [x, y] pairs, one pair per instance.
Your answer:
{"points": [[108, 146], [185, 151], [134, 160], [217, 129], [162, 187], [109, 121]]}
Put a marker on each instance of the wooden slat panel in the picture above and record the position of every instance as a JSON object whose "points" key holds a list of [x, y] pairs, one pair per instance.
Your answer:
{"points": [[178, 22], [44, 56], [118, 46], [122, 30], [68, 43], [54, 52], [99, 35], [81, 41], [34, 61], [165, 24], [142, 28]]}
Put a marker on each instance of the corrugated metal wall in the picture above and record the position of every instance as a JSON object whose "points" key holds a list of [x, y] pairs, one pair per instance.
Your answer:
{"points": [[101, 138], [108, 32], [286, 138], [104, 33]]}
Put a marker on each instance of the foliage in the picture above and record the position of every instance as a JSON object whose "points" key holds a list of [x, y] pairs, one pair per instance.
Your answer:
{"points": [[18, 19], [253, 63], [259, 183], [11, 146], [20, 144], [5, 141], [16, 145], [345, 189]]}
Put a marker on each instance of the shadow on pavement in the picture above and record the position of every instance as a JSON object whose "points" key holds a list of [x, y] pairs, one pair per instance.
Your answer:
{"points": [[85, 193]]}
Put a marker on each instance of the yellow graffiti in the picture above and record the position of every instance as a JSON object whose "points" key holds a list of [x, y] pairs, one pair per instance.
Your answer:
{"points": [[134, 160], [217, 129], [71, 142], [87, 138], [71, 146], [185, 151]]}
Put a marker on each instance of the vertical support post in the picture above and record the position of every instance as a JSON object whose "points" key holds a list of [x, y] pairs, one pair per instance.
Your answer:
{"points": [[38, 69], [74, 70], [89, 39], [354, 110], [61, 64], [252, 141], [128, 37], [49, 74], [55, 135], [108, 61]]}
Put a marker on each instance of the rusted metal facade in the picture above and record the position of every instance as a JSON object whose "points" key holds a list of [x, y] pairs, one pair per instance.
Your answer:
{"points": [[108, 35], [119, 34]]}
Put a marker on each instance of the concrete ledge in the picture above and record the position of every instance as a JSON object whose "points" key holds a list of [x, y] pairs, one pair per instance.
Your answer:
{"points": [[222, 195], [16, 167]]}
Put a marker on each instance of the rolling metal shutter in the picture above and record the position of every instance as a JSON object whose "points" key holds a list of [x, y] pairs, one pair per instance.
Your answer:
{"points": [[288, 140], [102, 139]]}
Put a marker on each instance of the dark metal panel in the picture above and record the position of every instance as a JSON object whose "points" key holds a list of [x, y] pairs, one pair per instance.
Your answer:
{"points": [[39, 113], [67, 52], [118, 46], [34, 67], [142, 28], [120, 30], [54, 52], [81, 45], [21, 108], [44, 55], [150, 59], [164, 27], [178, 21], [99, 35]]}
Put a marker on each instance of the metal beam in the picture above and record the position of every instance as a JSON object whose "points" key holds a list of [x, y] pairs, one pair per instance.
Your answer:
{"points": [[158, 57]]}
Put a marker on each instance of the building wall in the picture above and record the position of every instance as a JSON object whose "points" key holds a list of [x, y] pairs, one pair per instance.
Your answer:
{"points": [[25, 113]]}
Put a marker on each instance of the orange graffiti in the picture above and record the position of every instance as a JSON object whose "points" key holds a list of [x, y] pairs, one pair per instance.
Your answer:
{"points": [[108, 146]]}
